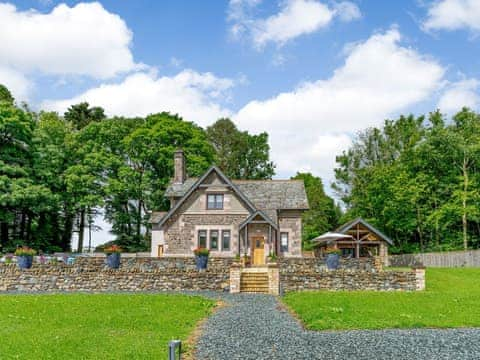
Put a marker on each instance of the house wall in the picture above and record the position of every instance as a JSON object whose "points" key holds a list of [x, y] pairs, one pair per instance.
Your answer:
{"points": [[291, 222], [181, 230]]}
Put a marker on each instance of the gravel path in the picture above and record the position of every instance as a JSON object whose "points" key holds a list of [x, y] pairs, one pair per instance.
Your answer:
{"points": [[257, 327]]}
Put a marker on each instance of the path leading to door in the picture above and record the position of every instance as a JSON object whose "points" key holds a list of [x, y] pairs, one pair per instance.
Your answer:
{"points": [[257, 327]]}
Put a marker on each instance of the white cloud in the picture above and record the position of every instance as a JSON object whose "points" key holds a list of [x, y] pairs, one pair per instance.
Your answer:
{"points": [[82, 40], [379, 78], [192, 95], [460, 94], [347, 11], [16, 82], [295, 18], [453, 15]]}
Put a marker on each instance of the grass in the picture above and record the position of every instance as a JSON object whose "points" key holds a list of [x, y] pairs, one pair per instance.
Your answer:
{"points": [[96, 326], [452, 299]]}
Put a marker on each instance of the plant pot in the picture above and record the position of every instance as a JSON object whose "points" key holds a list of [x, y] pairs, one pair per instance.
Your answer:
{"points": [[113, 260], [25, 261], [333, 261], [201, 261]]}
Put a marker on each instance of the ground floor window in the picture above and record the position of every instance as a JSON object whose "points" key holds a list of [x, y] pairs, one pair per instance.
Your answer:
{"points": [[226, 240], [213, 239], [202, 239], [284, 242]]}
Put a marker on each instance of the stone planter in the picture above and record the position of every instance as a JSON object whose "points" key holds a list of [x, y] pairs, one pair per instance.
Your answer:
{"points": [[332, 261], [113, 260], [25, 261], [201, 261]]}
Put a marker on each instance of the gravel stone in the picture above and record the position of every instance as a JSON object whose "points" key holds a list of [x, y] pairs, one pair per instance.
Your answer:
{"points": [[252, 326]]}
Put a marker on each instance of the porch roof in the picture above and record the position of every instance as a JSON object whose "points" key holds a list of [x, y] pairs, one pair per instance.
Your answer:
{"points": [[262, 215]]}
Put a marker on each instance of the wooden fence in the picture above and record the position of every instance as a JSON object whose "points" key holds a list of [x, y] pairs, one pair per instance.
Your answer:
{"points": [[469, 258]]}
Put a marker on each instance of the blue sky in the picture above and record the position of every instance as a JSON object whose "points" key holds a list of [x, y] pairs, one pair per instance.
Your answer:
{"points": [[310, 72]]}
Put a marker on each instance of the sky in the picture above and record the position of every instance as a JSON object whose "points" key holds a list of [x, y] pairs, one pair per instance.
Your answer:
{"points": [[311, 73]]}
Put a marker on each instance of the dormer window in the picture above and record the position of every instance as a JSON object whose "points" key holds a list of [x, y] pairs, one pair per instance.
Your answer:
{"points": [[215, 201]]}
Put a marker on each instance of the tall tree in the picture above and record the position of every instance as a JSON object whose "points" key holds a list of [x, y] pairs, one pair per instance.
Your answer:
{"points": [[240, 155], [323, 214], [80, 115], [6, 95]]}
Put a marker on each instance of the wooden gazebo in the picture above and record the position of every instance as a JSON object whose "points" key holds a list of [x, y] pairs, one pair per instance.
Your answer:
{"points": [[361, 240]]}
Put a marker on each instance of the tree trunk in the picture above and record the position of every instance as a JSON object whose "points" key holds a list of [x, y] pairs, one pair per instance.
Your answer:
{"points": [[67, 230], [81, 230], [3, 233], [464, 203], [139, 218]]}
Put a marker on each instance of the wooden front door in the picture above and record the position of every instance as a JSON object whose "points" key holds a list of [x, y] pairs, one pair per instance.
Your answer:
{"points": [[160, 250], [258, 250]]}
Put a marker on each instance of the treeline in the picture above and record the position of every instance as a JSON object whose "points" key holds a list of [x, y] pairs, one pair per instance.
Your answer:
{"points": [[418, 179], [57, 172]]}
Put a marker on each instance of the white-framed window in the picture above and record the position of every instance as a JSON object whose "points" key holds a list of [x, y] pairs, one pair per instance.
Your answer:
{"points": [[225, 240], [284, 241], [214, 201], [213, 239], [202, 239]]}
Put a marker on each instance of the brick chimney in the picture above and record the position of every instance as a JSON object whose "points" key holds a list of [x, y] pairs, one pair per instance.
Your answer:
{"points": [[179, 175]]}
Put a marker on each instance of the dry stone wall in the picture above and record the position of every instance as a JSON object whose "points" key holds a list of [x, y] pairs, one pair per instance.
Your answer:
{"points": [[353, 274], [135, 274]]}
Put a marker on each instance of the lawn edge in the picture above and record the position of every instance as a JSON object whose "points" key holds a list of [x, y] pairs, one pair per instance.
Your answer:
{"points": [[192, 339]]}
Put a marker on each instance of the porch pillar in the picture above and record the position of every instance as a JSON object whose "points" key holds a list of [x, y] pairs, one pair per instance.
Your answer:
{"points": [[357, 250]]}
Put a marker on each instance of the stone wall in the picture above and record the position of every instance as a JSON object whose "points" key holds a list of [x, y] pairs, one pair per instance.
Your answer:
{"points": [[300, 265], [353, 274], [135, 274]]}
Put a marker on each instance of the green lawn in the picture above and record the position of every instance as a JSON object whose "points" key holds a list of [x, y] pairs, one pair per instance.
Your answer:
{"points": [[452, 299], [96, 326]]}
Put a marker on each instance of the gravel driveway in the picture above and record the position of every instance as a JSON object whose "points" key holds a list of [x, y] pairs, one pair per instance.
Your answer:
{"points": [[256, 327]]}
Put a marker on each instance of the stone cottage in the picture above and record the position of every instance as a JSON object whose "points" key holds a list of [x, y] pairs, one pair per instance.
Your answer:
{"points": [[229, 217]]}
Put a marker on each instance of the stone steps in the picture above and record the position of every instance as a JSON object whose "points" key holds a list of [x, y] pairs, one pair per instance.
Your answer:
{"points": [[254, 282]]}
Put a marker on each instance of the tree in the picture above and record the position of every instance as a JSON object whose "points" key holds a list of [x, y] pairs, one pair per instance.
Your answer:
{"points": [[80, 115], [6, 95], [323, 214], [240, 155]]}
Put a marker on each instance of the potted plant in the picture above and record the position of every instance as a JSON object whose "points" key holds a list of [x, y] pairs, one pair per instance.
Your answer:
{"points": [[113, 256], [245, 260], [272, 257], [333, 258], [25, 257], [201, 258]]}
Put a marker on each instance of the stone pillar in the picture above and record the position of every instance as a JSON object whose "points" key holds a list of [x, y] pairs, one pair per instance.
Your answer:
{"points": [[235, 273], [420, 278], [179, 175], [378, 263], [273, 279]]}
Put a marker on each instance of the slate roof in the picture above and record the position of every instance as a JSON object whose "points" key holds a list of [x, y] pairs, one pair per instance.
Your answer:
{"points": [[266, 195]]}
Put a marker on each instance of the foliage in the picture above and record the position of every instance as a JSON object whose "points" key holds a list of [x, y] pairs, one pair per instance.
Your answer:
{"points": [[6, 95], [81, 115], [348, 310], [323, 214], [96, 326], [25, 251], [201, 252], [416, 179], [240, 155], [113, 249], [333, 251]]}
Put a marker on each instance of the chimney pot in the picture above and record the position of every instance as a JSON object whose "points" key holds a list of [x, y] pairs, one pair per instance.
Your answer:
{"points": [[179, 175]]}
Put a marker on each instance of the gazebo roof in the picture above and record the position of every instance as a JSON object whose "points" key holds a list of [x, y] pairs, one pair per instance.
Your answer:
{"points": [[349, 225]]}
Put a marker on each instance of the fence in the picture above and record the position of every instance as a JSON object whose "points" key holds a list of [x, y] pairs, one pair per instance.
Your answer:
{"points": [[469, 258]]}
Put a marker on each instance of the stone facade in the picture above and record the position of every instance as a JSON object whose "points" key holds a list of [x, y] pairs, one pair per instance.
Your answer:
{"points": [[291, 223]]}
